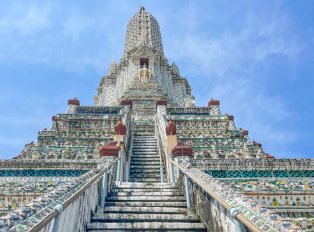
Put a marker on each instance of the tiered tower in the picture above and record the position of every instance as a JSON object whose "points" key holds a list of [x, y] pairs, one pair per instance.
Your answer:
{"points": [[143, 122]]}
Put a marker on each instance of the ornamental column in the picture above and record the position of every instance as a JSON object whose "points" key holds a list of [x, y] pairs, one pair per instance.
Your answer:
{"points": [[182, 154], [120, 130], [171, 139], [72, 104], [108, 153]]}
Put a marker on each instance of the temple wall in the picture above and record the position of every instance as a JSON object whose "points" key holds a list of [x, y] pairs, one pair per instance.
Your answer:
{"points": [[212, 214], [108, 96], [179, 95]]}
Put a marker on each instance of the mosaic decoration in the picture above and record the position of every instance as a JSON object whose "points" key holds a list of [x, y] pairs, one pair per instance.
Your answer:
{"points": [[7, 204], [258, 214], [288, 201], [42, 206], [260, 173], [69, 173]]}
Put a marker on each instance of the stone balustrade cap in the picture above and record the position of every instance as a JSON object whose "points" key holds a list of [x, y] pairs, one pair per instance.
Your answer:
{"points": [[258, 144], [74, 101], [246, 132], [126, 102], [269, 156], [213, 102], [109, 150], [231, 117], [161, 103], [181, 150]]}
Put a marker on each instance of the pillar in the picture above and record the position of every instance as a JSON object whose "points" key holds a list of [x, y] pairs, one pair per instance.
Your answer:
{"points": [[182, 154]]}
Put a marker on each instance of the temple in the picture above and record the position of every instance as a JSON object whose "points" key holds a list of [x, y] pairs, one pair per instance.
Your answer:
{"points": [[145, 158]]}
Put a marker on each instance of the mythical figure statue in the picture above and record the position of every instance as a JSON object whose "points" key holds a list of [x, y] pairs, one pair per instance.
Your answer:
{"points": [[144, 74], [81, 155], [189, 101], [214, 154], [246, 152], [199, 155], [51, 156], [96, 153], [260, 154], [36, 153], [67, 154]]}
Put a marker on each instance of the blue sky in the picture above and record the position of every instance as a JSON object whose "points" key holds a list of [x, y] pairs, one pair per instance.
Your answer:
{"points": [[256, 57]]}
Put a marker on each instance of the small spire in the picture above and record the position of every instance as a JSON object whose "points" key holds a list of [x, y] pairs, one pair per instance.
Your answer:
{"points": [[142, 8]]}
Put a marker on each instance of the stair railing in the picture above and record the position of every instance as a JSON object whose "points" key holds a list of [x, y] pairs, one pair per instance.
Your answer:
{"points": [[228, 197], [130, 152], [162, 141], [53, 203], [127, 140]]}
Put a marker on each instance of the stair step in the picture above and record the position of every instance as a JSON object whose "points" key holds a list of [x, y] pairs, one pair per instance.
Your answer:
{"points": [[132, 190], [149, 171], [145, 198], [145, 180], [125, 217], [145, 167], [140, 146], [143, 162], [145, 194], [144, 142], [148, 204], [145, 156], [149, 210], [145, 175], [171, 226], [144, 185], [145, 152]]}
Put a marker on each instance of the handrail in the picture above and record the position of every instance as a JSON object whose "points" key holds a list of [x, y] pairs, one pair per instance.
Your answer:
{"points": [[53, 212], [163, 144], [94, 179], [239, 216], [130, 152]]}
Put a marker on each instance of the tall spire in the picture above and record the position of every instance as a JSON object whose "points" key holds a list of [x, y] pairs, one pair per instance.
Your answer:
{"points": [[143, 22]]}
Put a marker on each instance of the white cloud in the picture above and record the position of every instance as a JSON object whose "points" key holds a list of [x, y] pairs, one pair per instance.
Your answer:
{"points": [[26, 19], [76, 24]]}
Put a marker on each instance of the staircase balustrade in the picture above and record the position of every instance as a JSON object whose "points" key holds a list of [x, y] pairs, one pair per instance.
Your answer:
{"points": [[161, 125], [216, 201], [82, 194]]}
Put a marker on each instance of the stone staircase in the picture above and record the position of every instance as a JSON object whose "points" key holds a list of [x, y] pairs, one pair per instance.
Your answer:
{"points": [[145, 161], [145, 204]]}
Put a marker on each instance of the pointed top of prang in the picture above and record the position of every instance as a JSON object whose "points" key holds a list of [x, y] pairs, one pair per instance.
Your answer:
{"points": [[120, 129], [171, 128]]}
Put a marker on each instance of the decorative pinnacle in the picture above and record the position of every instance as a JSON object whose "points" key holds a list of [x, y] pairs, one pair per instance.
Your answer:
{"points": [[142, 8]]}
